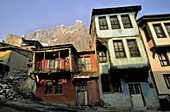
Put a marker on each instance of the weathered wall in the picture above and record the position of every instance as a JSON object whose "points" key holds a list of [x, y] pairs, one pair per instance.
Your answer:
{"points": [[150, 94], [18, 61], [93, 35], [128, 61], [4, 55], [19, 70], [117, 99], [93, 93], [14, 40], [67, 97], [117, 32]]}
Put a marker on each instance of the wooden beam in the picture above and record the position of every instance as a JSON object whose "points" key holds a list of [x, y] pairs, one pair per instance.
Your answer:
{"points": [[59, 59]]}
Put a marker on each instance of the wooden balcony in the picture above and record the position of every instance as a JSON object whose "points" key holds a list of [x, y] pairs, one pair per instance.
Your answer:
{"points": [[51, 65]]}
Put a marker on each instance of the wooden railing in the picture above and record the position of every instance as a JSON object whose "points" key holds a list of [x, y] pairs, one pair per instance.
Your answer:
{"points": [[51, 65]]}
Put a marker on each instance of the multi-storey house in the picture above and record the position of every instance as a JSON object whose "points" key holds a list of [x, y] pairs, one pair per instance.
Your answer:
{"points": [[86, 79], [155, 32], [122, 61], [53, 69], [66, 76]]}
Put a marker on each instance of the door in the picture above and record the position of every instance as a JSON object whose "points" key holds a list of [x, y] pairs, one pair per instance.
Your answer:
{"points": [[81, 95], [136, 95]]}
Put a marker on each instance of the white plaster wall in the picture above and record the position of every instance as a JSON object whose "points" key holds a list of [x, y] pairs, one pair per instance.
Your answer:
{"points": [[160, 82], [128, 61], [159, 41], [117, 32]]}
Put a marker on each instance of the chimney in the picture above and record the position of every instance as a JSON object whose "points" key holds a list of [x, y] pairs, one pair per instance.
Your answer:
{"points": [[24, 35]]}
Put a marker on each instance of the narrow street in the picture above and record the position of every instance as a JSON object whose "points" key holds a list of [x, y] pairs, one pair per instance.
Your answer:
{"points": [[40, 106]]}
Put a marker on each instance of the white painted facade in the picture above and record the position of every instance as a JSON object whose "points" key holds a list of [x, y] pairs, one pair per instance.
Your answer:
{"points": [[117, 32]]}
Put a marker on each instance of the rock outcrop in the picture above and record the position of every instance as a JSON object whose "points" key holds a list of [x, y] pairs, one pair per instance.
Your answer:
{"points": [[78, 35]]}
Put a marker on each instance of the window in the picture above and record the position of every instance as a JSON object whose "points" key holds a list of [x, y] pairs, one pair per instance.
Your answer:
{"points": [[105, 83], [114, 22], [48, 87], [167, 80], [159, 31], [103, 23], [119, 49], [167, 26], [87, 62], [163, 58], [134, 89], [51, 63], [116, 85], [84, 64], [134, 51], [80, 64], [59, 87], [126, 21], [102, 57]]}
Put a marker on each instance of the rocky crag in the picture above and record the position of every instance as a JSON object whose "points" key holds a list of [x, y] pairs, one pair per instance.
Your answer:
{"points": [[78, 35]]}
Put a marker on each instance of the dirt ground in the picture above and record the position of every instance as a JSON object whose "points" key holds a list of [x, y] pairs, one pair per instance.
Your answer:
{"points": [[40, 106]]}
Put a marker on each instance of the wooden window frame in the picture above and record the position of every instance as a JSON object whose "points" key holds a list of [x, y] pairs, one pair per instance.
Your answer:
{"points": [[48, 88], [103, 23], [167, 80], [158, 33], [102, 57], [162, 61], [114, 22], [134, 89], [116, 85], [167, 26], [84, 66], [119, 51], [133, 49], [59, 87], [126, 22]]}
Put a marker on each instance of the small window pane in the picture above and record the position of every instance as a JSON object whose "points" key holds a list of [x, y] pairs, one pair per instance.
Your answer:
{"points": [[167, 25], [167, 80], [119, 49], [59, 87], [114, 22], [159, 31], [134, 51], [126, 21], [163, 58], [103, 23], [48, 87], [102, 57]]}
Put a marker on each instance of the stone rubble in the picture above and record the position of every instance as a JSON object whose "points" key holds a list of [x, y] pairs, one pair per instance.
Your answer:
{"points": [[9, 89]]}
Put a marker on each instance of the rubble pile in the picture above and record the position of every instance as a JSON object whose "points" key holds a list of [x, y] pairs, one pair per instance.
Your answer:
{"points": [[11, 88]]}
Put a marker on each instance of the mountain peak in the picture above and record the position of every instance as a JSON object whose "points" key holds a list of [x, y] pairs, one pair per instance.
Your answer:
{"points": [[78, 21], [62, 34], [78, 24]]}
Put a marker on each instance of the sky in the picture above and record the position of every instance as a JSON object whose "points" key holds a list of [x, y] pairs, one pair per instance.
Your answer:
{"points": [[20, 17]]}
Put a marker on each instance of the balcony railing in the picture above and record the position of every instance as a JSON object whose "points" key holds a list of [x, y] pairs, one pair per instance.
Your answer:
{"points": [[52, 65]]}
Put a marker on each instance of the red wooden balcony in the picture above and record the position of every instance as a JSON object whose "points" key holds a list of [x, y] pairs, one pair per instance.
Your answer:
{"points": [[52, 65]]}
